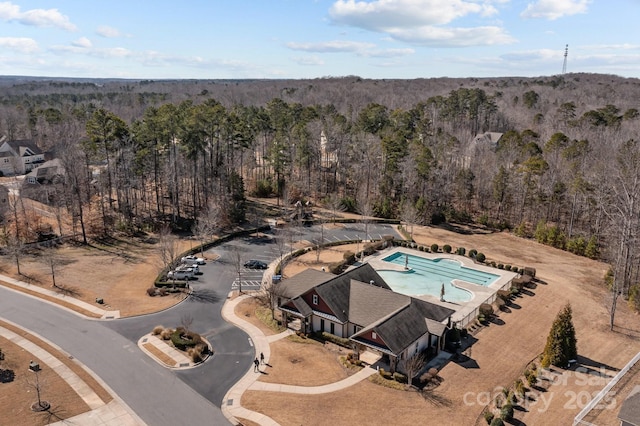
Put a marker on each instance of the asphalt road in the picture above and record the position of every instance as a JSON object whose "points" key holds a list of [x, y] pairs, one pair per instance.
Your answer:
{"points": [[158, 395]]}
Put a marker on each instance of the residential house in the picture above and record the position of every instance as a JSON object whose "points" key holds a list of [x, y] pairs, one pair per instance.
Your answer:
{"points": [[629, 414], [360, 306], [480, 143], [46, 173], [19, 157]]}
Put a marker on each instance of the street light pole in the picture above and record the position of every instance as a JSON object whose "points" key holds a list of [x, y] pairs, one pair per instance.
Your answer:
{"points": [[40, 405]]}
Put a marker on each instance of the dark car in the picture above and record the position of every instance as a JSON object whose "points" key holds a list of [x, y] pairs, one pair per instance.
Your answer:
{"points": [[255, 264]]}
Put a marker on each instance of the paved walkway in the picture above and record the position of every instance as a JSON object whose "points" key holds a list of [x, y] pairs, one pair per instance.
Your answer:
{"points": [[102, 313], [231, 403], [115, 413]]}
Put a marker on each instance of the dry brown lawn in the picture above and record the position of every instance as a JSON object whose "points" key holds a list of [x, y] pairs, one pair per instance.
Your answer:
{"points": [[17, 396], [119, 273], [303, 364], [247, 311], [496, 359]]}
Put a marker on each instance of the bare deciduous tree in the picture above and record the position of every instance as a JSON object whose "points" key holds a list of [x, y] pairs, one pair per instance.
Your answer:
{"points": [[413, 365], [167, 247]]}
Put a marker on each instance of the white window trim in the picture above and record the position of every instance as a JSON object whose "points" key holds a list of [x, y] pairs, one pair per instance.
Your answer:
{"points": [[374, 336], [314, 299]]}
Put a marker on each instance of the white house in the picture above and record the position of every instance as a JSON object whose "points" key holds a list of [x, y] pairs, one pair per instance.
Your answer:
{"points": [[19, 157]]}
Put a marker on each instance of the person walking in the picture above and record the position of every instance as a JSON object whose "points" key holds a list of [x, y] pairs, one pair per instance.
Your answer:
{"points": [[256, 365], [261, 358]]}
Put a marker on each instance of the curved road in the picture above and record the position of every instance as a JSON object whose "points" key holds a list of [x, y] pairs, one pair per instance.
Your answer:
{"points": [[158, 395]]}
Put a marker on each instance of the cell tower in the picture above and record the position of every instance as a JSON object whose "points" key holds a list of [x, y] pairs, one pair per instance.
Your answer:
{"points": [[564, 65]]}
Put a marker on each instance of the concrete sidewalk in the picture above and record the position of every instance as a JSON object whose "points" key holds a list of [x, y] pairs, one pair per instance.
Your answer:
{"points": [[102, 313], [231, 406], [115, 413]]}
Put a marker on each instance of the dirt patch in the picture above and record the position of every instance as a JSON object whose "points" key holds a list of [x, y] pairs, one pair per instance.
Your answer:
{"points": [[302, 364]]}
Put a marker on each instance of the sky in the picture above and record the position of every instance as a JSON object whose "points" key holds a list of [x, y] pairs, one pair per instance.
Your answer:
{"points": [[300, 39]]}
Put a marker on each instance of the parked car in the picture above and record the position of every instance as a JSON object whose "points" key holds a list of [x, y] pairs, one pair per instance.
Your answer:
{"points": [[192, 260], [185, 267], [255, 264], [180, 275]]}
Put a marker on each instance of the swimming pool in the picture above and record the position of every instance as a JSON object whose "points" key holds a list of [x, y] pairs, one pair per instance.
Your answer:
{"points": [[426, 276]]}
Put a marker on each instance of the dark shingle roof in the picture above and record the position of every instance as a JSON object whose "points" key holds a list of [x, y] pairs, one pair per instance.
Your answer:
{"points": [[336, 292], [21, 146], [630, 410], [370, 303], [303, 282], [402, 328]]}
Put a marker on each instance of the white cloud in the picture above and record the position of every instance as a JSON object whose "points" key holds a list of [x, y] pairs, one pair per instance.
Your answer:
{"points": [[308, 60], [331, 46], [554, 9], [388, 53], [82, 42], [108, 32], [423, 22], [19, 44], [381, 15], [104, 53], [453, 37], [10, 12]]}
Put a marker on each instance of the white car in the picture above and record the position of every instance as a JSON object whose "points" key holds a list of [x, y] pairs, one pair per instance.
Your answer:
{"points": [[193, 268], [180, 275], [192, 260]]}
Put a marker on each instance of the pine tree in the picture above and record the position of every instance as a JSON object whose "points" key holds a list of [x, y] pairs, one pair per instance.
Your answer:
{"points": [[561, 344]]}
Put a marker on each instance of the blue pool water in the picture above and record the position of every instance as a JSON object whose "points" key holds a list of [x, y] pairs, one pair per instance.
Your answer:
{"points": [[426, 276]]}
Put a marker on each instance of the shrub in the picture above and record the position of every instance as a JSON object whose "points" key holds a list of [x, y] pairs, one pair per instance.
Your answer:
{"points": [[341, 341], [163, 291], [504, 294], [196, 353], [507, 267], [532, 377], [488, 417], [461, 251], [506, 413], [425, 378], [497, 422], [500, 266], [485, 309], [434, 248], [480, 257], [519, 386], [399, 377], [166, 334], [349, 256], [385, 374], [446, 248], [182, 339], [473, 253], [158, 329], [336, 267], [433, 372], [151, 291]]}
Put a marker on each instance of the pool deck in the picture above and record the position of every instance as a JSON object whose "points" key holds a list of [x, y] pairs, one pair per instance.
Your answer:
{"points": [[479, 293]]}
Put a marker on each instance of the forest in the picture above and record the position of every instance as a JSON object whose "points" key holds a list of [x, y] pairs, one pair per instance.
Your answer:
{"points": [[553, 158]]}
